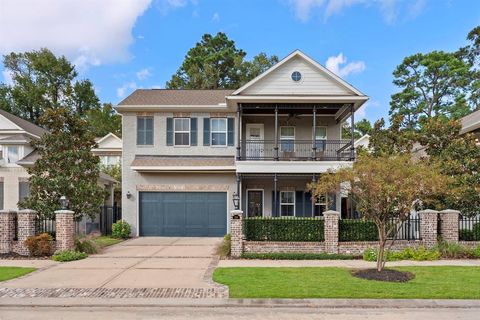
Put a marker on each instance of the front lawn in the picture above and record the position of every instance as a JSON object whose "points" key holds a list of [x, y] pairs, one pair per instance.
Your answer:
{"points": [[7, 273], [105, 241], [429, 283]]}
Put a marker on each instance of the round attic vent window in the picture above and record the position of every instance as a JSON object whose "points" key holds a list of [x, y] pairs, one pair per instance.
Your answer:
{"points": [[296, 76]]}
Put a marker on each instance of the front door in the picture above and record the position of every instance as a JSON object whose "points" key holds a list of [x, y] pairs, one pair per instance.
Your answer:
{"points": [[255, 203], [255, 144]]}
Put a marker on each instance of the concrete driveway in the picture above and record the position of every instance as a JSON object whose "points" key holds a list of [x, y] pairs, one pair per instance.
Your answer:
{"points": [[157, 262]]}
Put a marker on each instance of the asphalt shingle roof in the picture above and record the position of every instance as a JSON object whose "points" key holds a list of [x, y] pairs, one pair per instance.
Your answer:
{"points": [[176, 97]]}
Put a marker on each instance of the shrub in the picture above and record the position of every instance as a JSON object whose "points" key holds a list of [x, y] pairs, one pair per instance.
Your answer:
{"points": [[40, 246], [357, 230], [85, 245], [284, 229], [69, 255], [476, 252], [297, 256], [449, 250], [370, 254], [121, 230], [420, 254], [466, 235], [476, 231], [225, 247]]}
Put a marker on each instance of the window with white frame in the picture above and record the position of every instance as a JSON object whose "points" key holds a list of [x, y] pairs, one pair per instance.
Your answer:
{"points": [[218, 131], [320, 138], [181, 130], [110, 160], [320, 206], [12, 154], [287, 139], [287, 203]]}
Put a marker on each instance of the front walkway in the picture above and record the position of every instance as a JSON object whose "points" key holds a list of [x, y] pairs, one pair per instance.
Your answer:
{"points": [[143, 267], [341, 263]]}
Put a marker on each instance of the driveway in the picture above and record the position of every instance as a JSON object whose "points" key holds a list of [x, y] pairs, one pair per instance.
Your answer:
{"points": [[157, 262]]}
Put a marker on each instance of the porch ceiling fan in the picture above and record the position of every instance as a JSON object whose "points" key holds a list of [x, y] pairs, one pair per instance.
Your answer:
{"points": [[293, 116]]}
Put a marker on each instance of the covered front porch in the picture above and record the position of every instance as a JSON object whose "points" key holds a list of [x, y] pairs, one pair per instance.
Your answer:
{"points": [[286, 195]]}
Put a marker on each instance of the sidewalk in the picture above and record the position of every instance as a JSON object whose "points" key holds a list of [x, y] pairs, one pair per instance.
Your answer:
{"points": [[341, 263]]}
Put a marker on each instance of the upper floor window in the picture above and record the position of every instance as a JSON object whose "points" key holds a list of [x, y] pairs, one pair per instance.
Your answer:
{"points": [[13, 154], [144, 131], [219, 131], [287, 203], [320, 137], [181, 130], [110, 160], [287, 139]]}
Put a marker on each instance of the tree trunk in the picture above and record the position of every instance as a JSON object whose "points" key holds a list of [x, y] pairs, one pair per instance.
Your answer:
{"points": [[381, 258]]}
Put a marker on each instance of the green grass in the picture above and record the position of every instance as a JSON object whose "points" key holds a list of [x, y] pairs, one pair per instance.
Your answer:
{"points": [[429, 283], [7, 273], [105, 241]]}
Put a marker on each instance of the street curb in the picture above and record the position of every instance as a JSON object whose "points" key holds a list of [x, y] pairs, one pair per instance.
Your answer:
{"points": [[246, 303]]}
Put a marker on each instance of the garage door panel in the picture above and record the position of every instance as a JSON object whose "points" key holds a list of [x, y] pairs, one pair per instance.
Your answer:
{"points": [[196, 214]]}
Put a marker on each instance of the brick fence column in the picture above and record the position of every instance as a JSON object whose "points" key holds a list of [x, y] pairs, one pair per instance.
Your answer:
{"points": [[26, 228], [236, 232], [64, 229], [7, 230], [428, 227], [331, 231], [449, 225]]}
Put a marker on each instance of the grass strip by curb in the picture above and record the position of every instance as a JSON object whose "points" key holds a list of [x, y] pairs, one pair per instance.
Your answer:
{"points": [[7, 273]]}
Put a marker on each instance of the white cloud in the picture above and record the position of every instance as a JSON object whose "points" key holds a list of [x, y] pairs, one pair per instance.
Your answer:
{"points": [[361, 113], [127, 87], [389, 9], [165, 6], [143, 74], [216, 17], [339, 66], [88, 32]]}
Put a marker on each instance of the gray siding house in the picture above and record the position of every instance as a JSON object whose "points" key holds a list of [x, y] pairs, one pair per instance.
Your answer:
{"points": [[187, 152]]}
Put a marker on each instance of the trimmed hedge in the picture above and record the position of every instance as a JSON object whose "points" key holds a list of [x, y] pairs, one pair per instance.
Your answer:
{"points": [[284, 229], [297, 256], [356, 230]]}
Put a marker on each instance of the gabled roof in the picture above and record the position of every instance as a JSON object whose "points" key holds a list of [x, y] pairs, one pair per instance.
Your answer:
{"points": [[315, 64], [16, 138], [189, 97], [471, 122], [23, 124]]}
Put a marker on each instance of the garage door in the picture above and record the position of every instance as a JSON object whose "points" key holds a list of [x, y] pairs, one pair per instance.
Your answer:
{"points": [[191, 214]]}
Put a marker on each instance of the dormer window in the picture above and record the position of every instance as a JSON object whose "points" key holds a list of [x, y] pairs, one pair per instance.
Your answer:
{"points": [[12, 154]]}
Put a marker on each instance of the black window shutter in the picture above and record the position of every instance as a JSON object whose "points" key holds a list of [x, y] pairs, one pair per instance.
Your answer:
{"points": [[193, 131], [299, 199], [308, 204], [275, 207], [206, 131], [169, 131], [230, 131]]}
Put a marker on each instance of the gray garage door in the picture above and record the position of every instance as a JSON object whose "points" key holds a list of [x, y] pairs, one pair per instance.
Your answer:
{"points": [[191, 214]]}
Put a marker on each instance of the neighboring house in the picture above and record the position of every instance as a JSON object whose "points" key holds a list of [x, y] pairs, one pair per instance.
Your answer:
{"points": [[17, 154], [109, 150], [187, 152], [471, 123], [363, 141]]}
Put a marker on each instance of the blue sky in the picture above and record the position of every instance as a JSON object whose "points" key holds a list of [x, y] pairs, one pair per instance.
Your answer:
{"points": [[126, 44]]}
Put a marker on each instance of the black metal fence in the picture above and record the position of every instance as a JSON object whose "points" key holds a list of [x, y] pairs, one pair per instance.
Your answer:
{"points": [[325, 150], [45, 225], [107, 216], [15, 227], [469, 228], [284, 229], [362, 230]]}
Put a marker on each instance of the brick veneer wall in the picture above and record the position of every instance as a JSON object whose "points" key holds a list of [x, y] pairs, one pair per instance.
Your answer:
{"points": [[236, 232], [357, 248], [283, 247], [470, 244], [7, 230], [428, 227], [331, 231], [26, 228], [449, 225], [65, 229]]}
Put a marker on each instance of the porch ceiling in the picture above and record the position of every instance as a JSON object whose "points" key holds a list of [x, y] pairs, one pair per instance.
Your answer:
{"points": [[288, 108]]}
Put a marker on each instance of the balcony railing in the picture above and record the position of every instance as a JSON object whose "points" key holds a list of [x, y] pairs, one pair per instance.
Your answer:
{"points": [[296, 150]]}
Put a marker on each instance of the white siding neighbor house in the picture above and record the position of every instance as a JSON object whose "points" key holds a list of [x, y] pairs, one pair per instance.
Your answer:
{"points": [[109, 149], [187, 152]]}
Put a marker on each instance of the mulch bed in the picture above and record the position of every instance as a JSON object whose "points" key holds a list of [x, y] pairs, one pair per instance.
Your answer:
{"points": [[387, 275], [15, 256]]}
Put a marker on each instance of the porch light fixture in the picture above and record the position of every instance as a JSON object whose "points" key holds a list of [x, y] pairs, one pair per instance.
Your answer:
{"points": [[64, 202], [236, 201], [129, 194]]}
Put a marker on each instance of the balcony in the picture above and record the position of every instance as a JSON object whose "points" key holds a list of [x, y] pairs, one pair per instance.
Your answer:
{"points": [[296, 150]]}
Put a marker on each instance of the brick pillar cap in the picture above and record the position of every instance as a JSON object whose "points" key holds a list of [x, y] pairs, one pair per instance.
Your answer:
{"points": [[450, 211], [7, 211], [236, 212], [331, 212], [27, 211], [64, 212], [428, 211]]}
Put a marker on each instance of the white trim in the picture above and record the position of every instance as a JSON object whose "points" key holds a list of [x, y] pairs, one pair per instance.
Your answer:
{"points": [[107, 136], [300, 54], [225, 132], [287, 204], [183, 168], [263, 200], [189, 132], [289, 166]]}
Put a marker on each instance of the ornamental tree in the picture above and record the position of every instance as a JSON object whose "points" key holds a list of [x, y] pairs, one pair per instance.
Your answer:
{"points": [[66, 167], [384, 188]]}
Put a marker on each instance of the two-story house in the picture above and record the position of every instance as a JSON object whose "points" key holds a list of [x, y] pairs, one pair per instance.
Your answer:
{"points": [[186, 153]]}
